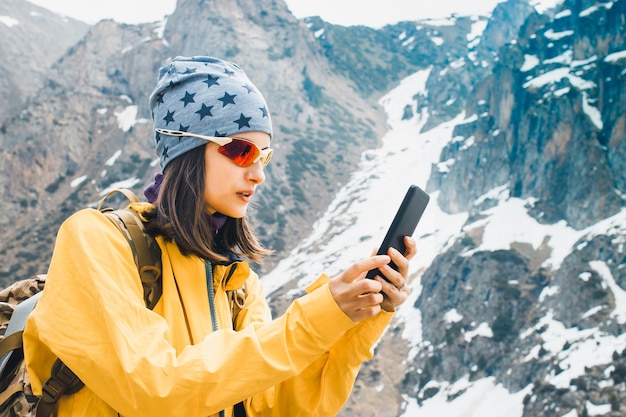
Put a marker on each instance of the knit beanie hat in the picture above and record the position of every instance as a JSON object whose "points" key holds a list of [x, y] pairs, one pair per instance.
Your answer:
{"points": [[206, 96]]}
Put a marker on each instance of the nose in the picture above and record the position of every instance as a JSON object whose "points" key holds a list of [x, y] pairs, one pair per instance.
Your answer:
{"points": [[255, 172]]}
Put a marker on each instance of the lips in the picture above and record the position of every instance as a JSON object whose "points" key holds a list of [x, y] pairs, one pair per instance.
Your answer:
{"points": [[246, 194]]}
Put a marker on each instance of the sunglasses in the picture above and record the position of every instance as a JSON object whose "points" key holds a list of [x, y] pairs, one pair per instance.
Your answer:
{"points": [[241, 151]]}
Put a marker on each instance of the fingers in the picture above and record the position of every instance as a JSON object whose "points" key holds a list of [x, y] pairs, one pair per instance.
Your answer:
{"points": [[360, 268], [395, 281], [366, 305], [402, 260], [396, 276], [411, 247], [393, 295], [394, 288], [359, 299]]}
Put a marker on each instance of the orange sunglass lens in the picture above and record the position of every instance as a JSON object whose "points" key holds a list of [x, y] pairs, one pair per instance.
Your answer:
{"points": [[240, 152]]}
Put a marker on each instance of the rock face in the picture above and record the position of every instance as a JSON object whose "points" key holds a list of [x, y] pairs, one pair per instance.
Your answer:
{"points": [[550, 121], [33, 38], [544, 105], [547, 125]]}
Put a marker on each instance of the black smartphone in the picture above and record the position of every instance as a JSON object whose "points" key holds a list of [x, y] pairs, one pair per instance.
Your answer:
{"points": [[403, 224]]}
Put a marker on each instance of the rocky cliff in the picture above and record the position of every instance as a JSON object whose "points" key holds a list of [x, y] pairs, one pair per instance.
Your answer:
{"points": [[33, 38], [545, 127]]}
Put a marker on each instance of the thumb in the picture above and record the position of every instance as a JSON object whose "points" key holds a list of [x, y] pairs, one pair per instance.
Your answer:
{"points": [[360, 268]]}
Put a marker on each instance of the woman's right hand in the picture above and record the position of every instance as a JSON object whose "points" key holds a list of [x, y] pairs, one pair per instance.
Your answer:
{"points": [[358, 297]]}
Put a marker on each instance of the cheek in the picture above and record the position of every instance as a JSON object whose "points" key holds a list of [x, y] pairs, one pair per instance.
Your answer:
{"points": [[218, 171], [218, 179], [211, 179]]}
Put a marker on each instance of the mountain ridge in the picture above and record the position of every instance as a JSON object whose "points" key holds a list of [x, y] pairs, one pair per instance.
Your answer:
{"points": [[48, 39]]}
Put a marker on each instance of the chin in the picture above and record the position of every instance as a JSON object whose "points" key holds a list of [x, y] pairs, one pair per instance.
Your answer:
{"points": [[235, 214]]}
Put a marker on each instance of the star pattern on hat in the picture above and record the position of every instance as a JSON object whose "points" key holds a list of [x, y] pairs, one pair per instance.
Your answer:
{"points": [[169, 118], [205, 111], [243, 121], [264, 112], [188, 98], [210, 81], [227, 99]]}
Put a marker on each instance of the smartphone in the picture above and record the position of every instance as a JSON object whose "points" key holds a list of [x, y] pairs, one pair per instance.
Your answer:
{"points": [[403, 224]]}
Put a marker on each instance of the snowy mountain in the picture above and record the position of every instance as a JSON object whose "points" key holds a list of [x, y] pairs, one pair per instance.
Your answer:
{"points": [[384, 174], [563, 353], [357, 219]]}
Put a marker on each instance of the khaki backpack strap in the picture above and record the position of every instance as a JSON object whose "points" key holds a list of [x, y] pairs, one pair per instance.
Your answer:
{"points": [[127, 193], [146, 252], [10, 392], [10, 343]]}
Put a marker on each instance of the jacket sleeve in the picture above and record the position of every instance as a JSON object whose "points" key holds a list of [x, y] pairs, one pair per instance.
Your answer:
{"points": [[326, 384], [92, 316]]}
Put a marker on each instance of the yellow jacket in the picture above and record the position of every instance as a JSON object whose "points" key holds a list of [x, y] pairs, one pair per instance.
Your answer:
{"points": [[169, 361]]}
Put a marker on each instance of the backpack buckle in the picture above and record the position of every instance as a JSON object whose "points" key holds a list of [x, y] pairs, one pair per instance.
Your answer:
{"points": [[62, 381]]}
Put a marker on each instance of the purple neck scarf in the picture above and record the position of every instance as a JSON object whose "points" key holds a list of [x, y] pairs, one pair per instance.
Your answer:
{"points": [[152, 191]]}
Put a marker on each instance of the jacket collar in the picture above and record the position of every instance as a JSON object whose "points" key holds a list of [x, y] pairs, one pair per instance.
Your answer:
{"points": [[232, 276]]}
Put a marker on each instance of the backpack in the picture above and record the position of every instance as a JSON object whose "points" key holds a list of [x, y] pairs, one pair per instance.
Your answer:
{"points": [[19, 299]]}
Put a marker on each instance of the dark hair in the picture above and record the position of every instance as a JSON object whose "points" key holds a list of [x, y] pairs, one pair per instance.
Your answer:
{"points": [[180, 215]]}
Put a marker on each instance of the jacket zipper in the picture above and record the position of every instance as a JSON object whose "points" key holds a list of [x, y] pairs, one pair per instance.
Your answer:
{"points": [[208, 268], [209, 283]]}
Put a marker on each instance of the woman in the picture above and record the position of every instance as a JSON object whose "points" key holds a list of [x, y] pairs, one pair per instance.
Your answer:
{"points": [[187, 356]]}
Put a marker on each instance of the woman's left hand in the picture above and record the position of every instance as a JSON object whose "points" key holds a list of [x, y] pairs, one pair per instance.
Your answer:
{"points": [[396, 285]]}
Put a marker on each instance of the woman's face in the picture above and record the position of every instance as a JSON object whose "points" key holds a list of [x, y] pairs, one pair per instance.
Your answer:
{"points": [[229, 187]]}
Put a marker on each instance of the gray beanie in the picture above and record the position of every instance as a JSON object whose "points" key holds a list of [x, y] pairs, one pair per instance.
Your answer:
{"points": [[207, 96]]}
